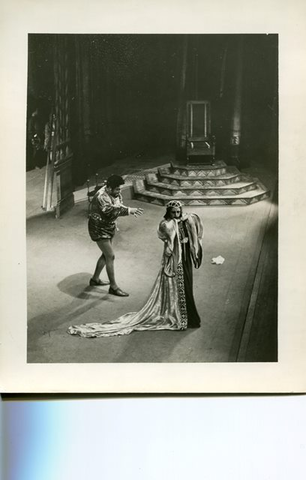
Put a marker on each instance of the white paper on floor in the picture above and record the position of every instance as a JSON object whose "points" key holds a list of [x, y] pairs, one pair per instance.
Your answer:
{"points": [[217, 260]]}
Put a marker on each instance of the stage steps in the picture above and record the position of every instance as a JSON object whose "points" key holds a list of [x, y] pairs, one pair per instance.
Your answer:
{"points": [[209, 185]]}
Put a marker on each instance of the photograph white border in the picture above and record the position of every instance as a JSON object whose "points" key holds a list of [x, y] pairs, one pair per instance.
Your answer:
{"points": [[18, 19]]}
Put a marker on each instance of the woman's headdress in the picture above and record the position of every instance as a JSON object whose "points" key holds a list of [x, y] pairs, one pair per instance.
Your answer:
{"points": [[174, 203]]}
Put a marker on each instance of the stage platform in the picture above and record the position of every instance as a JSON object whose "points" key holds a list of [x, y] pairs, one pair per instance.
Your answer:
{"points": [[61, 258]]}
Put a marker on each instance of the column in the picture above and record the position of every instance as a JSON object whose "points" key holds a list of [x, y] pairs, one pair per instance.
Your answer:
{"points": [[235, 136]]}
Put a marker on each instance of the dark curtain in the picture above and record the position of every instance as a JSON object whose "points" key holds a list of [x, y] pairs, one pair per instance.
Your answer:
{"points": [[129, 93]]}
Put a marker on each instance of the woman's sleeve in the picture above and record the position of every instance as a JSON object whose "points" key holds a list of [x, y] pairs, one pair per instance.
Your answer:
{"points": [[162, 232], [195, 234]]}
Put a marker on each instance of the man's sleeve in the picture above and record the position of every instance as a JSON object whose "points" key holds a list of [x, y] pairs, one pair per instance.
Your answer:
{"points": [[112, 212]]}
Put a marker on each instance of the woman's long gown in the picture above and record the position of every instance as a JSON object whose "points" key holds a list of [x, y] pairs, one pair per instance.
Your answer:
{"points": [[170, 305]]}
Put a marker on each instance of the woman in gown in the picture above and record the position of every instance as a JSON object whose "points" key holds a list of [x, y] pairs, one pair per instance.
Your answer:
{"points": [[170, 305]]}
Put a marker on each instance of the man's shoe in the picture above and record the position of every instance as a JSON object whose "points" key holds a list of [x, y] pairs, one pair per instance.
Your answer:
{"points": [[99, 283], [117, 292]]}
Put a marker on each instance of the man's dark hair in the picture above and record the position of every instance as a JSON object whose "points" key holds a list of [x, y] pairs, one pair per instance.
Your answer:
{"points": [[114, 181]]}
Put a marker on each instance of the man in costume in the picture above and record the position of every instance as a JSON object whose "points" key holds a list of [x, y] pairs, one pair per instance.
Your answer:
{"points": [[170, 305], [105, 208]]}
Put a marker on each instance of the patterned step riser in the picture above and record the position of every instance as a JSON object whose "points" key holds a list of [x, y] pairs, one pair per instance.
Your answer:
{"points": [[165, 171], [197, 183], [177, 193], [206, 202], [183, 172], [207, 173]]}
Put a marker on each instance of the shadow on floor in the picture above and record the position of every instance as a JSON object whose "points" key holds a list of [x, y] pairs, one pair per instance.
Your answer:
{"points": [[47, 322], [46, 333], [74, 286]]}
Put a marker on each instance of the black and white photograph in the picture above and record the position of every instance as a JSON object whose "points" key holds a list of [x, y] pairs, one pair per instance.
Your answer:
{"points": [[152, 198], [152, 184]]}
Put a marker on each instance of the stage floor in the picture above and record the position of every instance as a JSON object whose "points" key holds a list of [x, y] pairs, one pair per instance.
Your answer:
{"points": [[61, 258]]}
